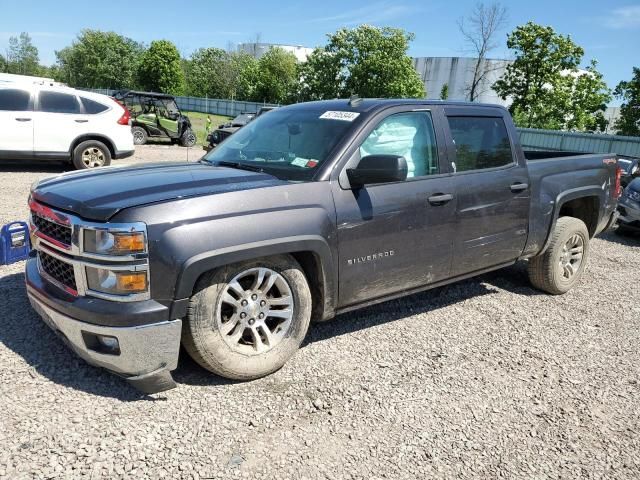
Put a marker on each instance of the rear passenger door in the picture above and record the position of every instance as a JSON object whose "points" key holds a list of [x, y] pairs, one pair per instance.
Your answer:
{"points": [[492, 189], [58, 120]]}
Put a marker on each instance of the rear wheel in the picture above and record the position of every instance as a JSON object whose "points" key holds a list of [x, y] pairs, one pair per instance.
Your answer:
{"points": [[91, 154], [140, 135], [246, 320], [560, 267], [188, 138]]}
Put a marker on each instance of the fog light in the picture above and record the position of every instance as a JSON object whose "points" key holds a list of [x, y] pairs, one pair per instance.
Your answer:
{"points": [[105, 344], [110, 343]]}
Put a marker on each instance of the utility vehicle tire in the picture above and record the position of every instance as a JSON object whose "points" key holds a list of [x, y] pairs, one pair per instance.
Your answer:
{"points": [[140, 135], [247, 319], [91, 154], [188, 138], [560, 267]]}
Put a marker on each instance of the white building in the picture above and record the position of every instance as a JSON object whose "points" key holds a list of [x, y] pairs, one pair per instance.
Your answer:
{"points": [[259, 49], [457, 72]]}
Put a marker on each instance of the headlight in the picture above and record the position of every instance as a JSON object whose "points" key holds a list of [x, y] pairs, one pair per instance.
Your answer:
{"points": [[116, 282], [104, 242]]}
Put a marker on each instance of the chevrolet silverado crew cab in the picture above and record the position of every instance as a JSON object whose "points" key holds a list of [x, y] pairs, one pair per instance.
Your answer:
{"points": [[310, 211], [48, 122]]}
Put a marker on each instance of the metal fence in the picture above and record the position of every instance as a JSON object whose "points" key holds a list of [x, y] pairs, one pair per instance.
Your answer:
{"points": [[533, 139], [215, 106]]}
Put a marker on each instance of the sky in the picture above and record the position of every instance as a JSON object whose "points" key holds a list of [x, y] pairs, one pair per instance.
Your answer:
{"points": [[609, 31]]}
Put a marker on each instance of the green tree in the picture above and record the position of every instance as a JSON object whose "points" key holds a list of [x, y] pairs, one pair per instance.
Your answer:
{"points": [[3, 64], [537, 75], [98, 59], [22, 56], [589, 98], [629, 92], [367, 61], [277, 77], [215, 73], [160, 68], [444, 92]]}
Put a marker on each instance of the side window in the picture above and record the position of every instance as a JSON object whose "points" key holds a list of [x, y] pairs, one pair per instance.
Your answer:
{"points": [[56, 102], [410, 135], [14, 100], [92, 107], [481, 142]]}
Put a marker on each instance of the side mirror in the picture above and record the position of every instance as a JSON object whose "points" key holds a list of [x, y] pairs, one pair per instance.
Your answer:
{"points": [[378, 169]]}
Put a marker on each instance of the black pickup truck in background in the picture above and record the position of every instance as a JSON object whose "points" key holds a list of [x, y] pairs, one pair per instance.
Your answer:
{"points": [[312, 210]]}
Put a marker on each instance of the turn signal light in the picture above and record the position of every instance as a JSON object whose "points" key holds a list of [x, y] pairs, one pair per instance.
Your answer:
{"points": [[129, 242], [132, 282]]}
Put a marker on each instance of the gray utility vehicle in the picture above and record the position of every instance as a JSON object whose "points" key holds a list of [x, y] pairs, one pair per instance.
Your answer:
{"points": [[312, 210]]}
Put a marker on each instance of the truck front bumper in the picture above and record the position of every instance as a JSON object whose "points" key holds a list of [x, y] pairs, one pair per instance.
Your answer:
{"points": [[144, 354]]}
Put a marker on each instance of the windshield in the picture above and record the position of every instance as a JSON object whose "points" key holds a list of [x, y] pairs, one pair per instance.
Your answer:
{"points": [[288, 143]]}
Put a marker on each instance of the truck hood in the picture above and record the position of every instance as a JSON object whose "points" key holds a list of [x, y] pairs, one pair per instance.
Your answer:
{"points": [[100, 194]]}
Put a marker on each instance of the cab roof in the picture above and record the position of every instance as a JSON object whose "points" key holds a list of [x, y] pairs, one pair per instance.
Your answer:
{"points": [[365, 105]]}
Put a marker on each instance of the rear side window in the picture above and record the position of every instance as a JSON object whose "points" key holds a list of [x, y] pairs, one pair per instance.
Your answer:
{"points": [[14, 100], [92, 107], [481, 142], [55, 102]]}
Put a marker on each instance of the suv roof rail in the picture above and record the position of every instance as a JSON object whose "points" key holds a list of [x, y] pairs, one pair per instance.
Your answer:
{"points": [[10, 78]]}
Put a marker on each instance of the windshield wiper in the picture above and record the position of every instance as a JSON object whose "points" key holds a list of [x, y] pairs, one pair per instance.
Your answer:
{"points": [[238, 165]]}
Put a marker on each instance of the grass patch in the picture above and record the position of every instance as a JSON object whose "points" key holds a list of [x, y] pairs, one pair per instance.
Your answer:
{"points": [[199, 121]]}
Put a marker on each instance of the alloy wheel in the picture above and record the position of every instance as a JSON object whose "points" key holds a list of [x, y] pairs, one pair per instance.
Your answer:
{"points": [[255, 311]]}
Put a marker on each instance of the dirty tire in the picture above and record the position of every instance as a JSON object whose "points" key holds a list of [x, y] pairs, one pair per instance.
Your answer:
{"points": [[204, 342], [140, 136], [84, 151], [545, 270], [188, 138]]}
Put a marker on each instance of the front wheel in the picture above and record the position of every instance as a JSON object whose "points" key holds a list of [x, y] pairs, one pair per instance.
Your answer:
{"points": [[246, 320], [560, 267], [188, 138]]}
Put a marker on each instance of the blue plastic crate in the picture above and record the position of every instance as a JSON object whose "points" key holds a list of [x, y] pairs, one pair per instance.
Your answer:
{"points": [[14, 242]]}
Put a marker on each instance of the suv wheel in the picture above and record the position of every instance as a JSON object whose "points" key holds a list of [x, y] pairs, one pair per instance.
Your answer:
{"points": [[140, 136], [188, 138], [246, 320], [91, 154]]}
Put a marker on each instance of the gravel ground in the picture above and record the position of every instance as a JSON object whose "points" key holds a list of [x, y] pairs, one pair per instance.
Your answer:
{"points": [[485, 378]]}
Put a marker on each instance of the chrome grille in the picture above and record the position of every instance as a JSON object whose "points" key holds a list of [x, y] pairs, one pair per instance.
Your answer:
{"points": [[58, 270], [53, 230]]}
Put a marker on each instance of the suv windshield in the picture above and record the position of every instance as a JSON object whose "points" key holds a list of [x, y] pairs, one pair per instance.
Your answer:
{"points": [[288, 143]]}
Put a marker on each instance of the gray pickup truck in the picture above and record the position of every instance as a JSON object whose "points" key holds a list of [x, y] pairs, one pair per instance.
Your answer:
{"points": [[313, 210]]}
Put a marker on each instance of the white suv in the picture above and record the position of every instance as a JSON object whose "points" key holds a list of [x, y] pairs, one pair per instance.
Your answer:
{"points": [[61, 123]]}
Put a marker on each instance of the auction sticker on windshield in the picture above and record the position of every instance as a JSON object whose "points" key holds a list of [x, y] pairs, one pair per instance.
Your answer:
{"points": [[334, 115]]}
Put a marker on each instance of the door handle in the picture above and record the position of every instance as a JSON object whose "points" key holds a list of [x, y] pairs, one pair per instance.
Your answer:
{"points": [[21, 119], [519, 187], [81, 121], [440, 199]]}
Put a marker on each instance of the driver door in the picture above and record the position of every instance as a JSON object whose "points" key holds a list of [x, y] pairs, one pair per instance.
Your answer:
{"points": [[394, 237]]}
